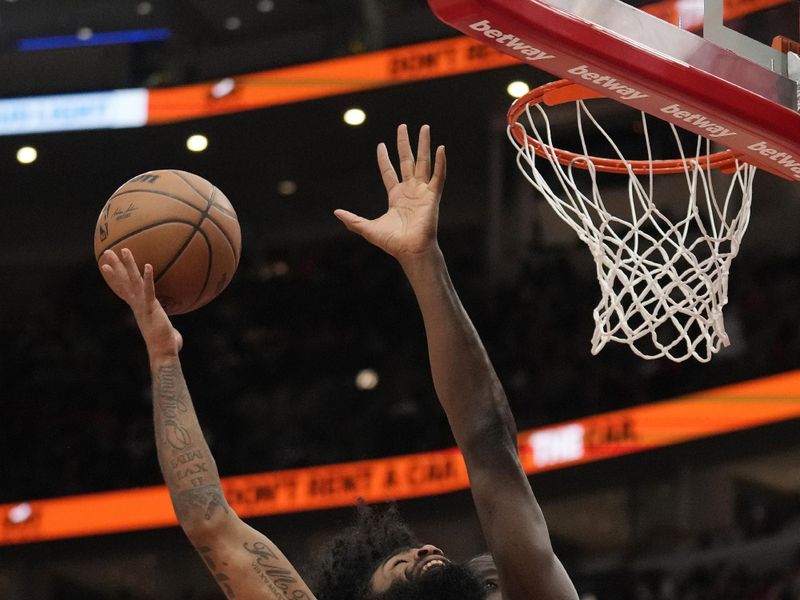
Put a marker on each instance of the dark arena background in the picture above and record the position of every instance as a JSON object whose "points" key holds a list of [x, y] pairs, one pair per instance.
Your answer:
{"points": [[310, 373]]}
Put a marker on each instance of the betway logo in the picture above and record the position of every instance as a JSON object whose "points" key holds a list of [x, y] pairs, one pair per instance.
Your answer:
{"points": [[510, 41], [714, 130], [607, 82], [784, 159]]}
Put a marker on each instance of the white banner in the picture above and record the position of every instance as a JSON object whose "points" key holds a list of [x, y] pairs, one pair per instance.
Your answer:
{"points": [[69, 112]]}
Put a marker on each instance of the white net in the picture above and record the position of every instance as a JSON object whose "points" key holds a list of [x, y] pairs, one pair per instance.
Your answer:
{"points": [[663, 277]]}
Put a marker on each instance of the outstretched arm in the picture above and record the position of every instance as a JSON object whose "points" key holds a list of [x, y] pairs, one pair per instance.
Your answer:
{"points": [[465, 381], [245, 564]]}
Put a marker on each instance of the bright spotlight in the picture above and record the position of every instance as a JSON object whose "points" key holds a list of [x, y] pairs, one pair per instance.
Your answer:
{"points": [[27, 154], [197, 143], [517, 89], [355, 116]]}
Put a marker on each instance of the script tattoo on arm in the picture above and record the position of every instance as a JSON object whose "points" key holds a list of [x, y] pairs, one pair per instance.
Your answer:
{"points": [[187, 465], [171, 400], [271, 569]]}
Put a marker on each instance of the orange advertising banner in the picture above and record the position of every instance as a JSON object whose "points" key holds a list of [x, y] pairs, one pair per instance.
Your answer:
{"points": [[322, 79], [721, 410], [417, 62]]}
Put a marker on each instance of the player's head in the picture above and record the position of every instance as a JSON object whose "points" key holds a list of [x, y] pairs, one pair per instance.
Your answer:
{"points": [[359, 564], [423, 573], [483, 567]]}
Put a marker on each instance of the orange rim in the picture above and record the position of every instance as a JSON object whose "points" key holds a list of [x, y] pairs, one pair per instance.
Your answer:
{"points": [[563, 91]]}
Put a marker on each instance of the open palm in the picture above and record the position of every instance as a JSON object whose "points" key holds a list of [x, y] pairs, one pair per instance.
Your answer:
{"points": [[408, 227]]}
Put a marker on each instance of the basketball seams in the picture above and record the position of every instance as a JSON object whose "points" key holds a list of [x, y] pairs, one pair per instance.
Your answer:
{"points": [[225, 235], [185, 180], [131, 234], [208, 269], [225, 212], [204, 212], [220, 228], [222, 209], [197, 226], [177, 255], [210, 199]]}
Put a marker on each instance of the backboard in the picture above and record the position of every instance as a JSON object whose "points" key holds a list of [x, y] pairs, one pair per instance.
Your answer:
{"points": [[729, 88]]}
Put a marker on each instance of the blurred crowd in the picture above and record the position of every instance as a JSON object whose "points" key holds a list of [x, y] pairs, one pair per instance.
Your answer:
{"points": [[721, 582], [273, 362], [273, 366]]}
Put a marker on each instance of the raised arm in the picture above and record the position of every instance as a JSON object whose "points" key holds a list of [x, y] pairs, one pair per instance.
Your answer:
{"points": [[465, 381], [245, 564]]}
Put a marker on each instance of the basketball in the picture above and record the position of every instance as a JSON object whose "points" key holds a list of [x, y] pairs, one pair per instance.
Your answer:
{"points": [[183, 226]]}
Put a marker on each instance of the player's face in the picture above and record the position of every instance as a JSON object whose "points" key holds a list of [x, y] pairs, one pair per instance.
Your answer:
{"points": [[483, 567], [407, 565], [423, 574]]}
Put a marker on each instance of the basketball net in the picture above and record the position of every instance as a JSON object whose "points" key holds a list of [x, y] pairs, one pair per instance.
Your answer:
{"points": [[663, 278]]}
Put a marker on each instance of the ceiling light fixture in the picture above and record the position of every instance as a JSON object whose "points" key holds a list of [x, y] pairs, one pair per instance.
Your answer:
{"points": [[355, 116], [517, 89], [197, 142], [27, 154]]}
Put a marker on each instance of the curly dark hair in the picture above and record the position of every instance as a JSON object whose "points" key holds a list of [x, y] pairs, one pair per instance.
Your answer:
{"points": [[347, 562]]}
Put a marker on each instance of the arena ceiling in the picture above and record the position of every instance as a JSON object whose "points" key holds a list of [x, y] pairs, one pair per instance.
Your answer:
{"points": [[203, 39], [51, 205]]}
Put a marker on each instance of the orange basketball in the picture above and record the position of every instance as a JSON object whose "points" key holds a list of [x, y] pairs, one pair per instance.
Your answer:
{"points": [[183, 226]]}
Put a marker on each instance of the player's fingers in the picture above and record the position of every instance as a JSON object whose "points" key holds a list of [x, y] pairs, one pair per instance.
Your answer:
{"points": [[149, 285], [351, 220], [107, 271], [422, 170], [130, 265], [404, 153], [111, 259], [439, 172], [388, 174]]}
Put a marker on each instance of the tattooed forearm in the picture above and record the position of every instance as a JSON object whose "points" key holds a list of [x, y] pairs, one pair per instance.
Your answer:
{"points": [[280, 581], [223, 580], [171, 399], [186, 462], [205, 501]]}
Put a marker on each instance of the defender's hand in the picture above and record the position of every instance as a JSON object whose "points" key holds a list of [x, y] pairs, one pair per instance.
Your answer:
{"points": [[408, 228], [123, 277]]}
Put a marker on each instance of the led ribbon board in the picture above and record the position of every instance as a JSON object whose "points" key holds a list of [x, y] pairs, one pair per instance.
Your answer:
{"points": [[416, 62], [648, 64], [619, 433]]}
